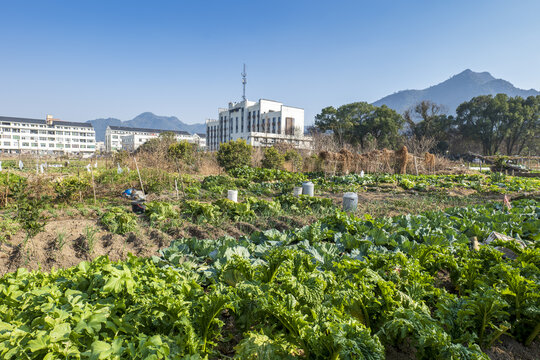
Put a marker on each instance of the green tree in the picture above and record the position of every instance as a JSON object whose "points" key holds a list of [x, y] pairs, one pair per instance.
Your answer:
{"points": [[356, 122], [272, 159], [427, 120], [485, 119], [382, 124], [523, 126], [234, 154]]}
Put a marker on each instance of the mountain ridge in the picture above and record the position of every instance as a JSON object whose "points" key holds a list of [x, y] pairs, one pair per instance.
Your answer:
{"points": [[454, 91], [145, 120]]}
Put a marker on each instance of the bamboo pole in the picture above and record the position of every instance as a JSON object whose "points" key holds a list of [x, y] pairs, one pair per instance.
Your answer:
{"points": [[7, 186], [138, 172], [415, 165], [93, 184]]}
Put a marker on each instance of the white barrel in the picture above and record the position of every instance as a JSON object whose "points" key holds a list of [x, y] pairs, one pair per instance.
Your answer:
{"points": [[350, 202], [297, 190], [232, 195], [308, 188]]}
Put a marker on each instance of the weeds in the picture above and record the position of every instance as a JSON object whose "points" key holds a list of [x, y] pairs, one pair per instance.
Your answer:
{"points": [[60, 240], [90, 236]]}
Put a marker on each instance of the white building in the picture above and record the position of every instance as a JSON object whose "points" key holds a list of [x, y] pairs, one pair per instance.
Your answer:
{"points": [[200, 139], [262, 123], [100, 146], [129, 139], [47, 136]]}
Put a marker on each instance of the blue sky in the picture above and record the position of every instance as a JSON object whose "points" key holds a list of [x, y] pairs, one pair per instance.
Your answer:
{"points": [[82, 60]]}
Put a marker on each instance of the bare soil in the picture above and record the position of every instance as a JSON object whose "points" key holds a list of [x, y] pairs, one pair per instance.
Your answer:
{"points": [[45, 252], [509, 349]]}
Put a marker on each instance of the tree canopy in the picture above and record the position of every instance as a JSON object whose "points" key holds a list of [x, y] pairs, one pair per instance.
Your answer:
{"points": [[356, 122], [490, 124], [501, 120]]}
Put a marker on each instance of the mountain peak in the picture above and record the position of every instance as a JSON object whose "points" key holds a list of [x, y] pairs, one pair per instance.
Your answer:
{"points": [[477, 77], [146, 120], [146, 113], [454, 91]]}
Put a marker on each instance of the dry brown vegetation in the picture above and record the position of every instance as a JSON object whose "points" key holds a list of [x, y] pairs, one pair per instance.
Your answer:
{"points": [[382, 161]]}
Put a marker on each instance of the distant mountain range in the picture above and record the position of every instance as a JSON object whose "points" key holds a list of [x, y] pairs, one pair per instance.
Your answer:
{"points": [[454, 91], [146, 120]]}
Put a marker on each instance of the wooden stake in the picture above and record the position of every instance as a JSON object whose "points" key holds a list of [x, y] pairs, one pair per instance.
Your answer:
{"points": [[7, 186], [80, 192], [138, 172], [93, 184], [415, 165], [176, 187]]}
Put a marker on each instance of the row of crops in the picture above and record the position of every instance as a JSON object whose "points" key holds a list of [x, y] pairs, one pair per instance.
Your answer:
{"points": [[263, 182], [341, 288]]}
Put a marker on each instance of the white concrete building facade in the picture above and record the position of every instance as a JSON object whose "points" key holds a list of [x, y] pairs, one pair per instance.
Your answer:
{"points": [[47, 136], [200, 139], [263, 123], [129, 139]]}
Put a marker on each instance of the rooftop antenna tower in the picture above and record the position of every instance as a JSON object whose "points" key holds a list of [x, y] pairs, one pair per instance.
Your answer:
{"points": [[244, 82]]}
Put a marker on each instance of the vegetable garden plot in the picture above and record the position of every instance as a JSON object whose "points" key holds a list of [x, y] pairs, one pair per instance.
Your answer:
{"points": [[342, 288]]}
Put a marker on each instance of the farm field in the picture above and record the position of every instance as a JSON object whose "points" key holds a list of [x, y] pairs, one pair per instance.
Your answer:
{"points": [[272, 276]]}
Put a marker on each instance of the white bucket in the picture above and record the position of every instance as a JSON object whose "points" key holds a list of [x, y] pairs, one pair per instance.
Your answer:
{"points": [[350, 202], [308, 188], [232, 195]]}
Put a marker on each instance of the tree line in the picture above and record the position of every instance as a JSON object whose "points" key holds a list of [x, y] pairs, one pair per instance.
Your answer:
{"points": [[487, 124]]}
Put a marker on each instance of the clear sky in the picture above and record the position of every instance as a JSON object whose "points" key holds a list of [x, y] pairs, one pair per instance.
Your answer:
{"points": [[81, 60]]}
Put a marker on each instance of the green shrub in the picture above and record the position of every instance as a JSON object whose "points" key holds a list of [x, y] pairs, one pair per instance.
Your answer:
{"points": [[234, 154], [68, 188], [295, 158], [272, 159], [15, 184], [8, 228], [119, 221], [29, 215], [181, 151]]}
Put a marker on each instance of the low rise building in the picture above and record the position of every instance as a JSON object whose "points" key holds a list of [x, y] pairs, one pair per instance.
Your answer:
{"points": [[46, 136], [201, 140], [129, 139], [263, 123]]}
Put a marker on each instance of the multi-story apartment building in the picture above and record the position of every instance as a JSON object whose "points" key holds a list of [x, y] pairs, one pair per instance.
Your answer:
{"points": [[46, 136], [129, 139], [261, 123]]}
